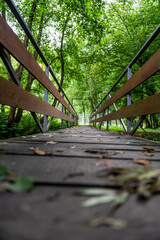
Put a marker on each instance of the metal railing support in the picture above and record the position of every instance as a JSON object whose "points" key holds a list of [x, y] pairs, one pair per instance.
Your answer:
{"points": [[121, 120], [62, 112], [129, 120], [24, 26], [46, 100], [16, 81], [108, 113], [138, 124]]}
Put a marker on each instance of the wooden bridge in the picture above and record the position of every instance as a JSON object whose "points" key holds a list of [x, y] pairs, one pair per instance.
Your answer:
{"points": [[75, 159]]}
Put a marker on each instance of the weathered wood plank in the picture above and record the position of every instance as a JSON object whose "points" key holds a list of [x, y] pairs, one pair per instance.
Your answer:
{"points": [[147, 70], [52, 212], [52, 209], [18, 97], [10, 41], [146, 106]]}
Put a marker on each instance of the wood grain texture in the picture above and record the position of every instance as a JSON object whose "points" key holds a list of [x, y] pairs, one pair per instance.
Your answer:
{"points": [[10, 41], [147, 70], [13, 95], [53, 209]]}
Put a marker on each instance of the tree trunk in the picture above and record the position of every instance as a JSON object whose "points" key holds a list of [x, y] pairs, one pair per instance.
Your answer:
{"points": [[148, 124], [95, 92]]}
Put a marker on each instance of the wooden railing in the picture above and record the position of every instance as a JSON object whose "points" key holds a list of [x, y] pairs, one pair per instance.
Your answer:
{"points": [[150, 105], [12, 94]]}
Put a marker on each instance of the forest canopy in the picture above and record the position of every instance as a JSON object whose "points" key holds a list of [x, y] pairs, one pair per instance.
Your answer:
{"points": [[88, 44]]}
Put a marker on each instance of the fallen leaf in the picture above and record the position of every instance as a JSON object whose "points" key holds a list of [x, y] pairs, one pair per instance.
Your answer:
{"points": [[98, 164], [105, 160], [149, 150], [98, 200], [38, 151], [96, 192], [120, 199], [119, 152], [21, 184], [142, 161], [51, 142], [10, 181], [112, 222]]}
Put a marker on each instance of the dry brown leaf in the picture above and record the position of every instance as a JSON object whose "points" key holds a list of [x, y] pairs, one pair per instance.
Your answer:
{"points": [[33, 136], [38, 151], [149, 150], [142, 161]]}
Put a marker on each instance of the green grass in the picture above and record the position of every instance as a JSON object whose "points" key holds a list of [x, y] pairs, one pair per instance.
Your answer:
{"points": [[148, 133]]}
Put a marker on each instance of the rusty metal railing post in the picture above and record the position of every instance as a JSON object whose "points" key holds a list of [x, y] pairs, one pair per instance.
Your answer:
{"points": [[46, 100], [129, 120]]}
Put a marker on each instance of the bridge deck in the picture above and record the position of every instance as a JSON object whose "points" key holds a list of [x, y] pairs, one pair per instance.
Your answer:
{"points": [[52, 210]]}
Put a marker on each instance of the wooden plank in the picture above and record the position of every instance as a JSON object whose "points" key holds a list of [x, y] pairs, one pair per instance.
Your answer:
{"points": [[53, 209], [10, 41], [147, 70], [56, 213], [146, 106], [20, 98]]}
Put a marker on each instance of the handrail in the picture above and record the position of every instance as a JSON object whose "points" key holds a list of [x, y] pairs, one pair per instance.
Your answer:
{"points": [[24, 26], [136, 57]]}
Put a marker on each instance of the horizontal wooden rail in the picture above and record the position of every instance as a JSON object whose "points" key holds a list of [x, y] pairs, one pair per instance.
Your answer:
{"points": [[146, 106], [10, 41], [147, 70], [20, 98]]}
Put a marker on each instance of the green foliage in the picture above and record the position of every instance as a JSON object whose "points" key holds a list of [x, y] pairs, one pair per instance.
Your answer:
{"points": [[10, 181], [89, 44], [21, 184]]}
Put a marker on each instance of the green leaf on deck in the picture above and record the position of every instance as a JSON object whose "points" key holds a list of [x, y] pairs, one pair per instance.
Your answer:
{"points": [[120, 199], [96, 192], [98, 200], [21, 184], [10, 181]]}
